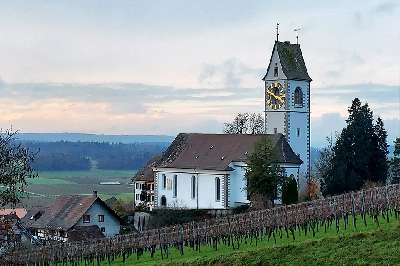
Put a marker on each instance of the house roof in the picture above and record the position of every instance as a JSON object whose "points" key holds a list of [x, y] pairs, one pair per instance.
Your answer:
{"points": [[20, 212], [63, 213], [217, 151], [146, 172], [292, 61]]}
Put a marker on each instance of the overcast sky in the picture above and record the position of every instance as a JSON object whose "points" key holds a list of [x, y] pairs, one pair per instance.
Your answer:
{"points": [[164, 67]]}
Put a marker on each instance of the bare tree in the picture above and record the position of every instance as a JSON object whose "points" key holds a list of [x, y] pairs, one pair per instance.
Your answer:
{"points": [[256, 123], [245, 123]]}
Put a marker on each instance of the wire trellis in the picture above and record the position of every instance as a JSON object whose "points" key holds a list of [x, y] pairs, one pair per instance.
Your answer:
{"points": [[309, 217]]}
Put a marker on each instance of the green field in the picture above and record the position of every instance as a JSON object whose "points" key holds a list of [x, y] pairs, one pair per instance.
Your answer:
{"points": [[50, 184], [87, 173], [366, 245]]}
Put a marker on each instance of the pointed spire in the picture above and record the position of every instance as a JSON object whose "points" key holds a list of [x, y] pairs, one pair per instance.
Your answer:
{"points": [[277, 32]]}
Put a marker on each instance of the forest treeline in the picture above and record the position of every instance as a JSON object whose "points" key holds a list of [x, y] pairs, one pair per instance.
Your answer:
{"points": [[64, 155]]}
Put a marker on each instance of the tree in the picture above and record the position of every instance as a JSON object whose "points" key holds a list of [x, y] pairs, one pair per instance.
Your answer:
{"points": [[15, 168], [263, 175], [245, 123], [325, 167], [255, 124], [378, 165], [395, 163], [290, 194], [358, 155]]}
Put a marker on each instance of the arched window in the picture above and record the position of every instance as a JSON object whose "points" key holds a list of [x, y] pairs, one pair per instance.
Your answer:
{"points": [[193, 187], [217, 189], [298, 97], [163, 201], [164, 180], [175, 186]]}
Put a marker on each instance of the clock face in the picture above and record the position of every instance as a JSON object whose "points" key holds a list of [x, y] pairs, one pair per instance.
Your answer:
{"points": [[275, 95]]}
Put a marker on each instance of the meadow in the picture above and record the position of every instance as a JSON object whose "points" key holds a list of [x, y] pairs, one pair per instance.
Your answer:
{"points": [[50, 184], [371, 244]]}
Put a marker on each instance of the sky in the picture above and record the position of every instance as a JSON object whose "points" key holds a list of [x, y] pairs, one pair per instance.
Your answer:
{"points": [[164, 67]]}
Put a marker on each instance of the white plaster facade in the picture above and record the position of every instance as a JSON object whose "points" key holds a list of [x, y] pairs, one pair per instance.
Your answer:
{"points": [[108, 224], [232, 187], [139, 187]]}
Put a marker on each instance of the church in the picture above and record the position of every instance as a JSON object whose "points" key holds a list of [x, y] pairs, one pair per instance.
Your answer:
{"points": [[207, 171]]}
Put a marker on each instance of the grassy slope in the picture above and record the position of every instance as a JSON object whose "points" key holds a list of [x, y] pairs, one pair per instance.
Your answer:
{"points": [[373, 248], [351, 246]]}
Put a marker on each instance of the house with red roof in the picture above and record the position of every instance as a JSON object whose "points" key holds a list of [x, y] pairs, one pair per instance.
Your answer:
{"points": [[73, 218]]}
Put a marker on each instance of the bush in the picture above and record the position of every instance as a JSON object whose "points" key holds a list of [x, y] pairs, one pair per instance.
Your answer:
{"points": [[241, 209], [166, 217], [290, 194], [312, 189]]}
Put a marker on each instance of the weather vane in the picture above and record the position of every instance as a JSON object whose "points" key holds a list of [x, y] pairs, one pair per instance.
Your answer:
{"points": [[297, 34], [277, 31]]}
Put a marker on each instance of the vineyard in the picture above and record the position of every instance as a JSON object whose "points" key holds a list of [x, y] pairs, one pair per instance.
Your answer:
{"points": [[309, 217]]}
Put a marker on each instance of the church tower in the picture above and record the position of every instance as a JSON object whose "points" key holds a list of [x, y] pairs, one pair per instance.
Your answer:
{"points": [[287, 102]]}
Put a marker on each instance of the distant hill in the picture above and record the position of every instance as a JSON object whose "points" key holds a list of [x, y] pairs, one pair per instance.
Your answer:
{"points": [[82, 137]]}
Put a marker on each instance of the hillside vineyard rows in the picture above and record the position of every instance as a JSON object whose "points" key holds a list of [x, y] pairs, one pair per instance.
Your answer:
{"points": [[231, 230]]}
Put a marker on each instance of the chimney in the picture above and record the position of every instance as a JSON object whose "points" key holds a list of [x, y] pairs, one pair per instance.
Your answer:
{"points": [[95, 193]]}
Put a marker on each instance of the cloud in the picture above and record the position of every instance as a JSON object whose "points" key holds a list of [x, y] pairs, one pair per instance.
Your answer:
{"points": [[326, 126], [385, 8], [121, 107], [228, 74], [133, 108]]}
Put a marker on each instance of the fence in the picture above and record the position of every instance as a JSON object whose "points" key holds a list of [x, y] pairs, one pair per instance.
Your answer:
{"points": [[230, 230]]}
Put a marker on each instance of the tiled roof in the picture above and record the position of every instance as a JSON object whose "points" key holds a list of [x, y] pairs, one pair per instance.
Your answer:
{"points": [[292, 61], [217, 151], [20, 212], [63, 213], [146, 172]]}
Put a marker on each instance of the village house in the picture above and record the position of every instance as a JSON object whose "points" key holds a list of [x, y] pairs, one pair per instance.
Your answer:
{"points": [[144, 185], [207, 171], [73, 218]]}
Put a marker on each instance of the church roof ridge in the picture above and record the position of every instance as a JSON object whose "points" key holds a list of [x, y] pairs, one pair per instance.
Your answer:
{"points": [[217, 151]]}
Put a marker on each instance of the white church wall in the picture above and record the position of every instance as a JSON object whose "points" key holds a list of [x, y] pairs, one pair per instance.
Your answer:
{"points": [[205, 196], [275, 62], [298, 127], [275, 120], [237, 181]]}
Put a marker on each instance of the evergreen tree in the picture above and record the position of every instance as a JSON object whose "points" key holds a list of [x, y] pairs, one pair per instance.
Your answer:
{"points": [[353, 149], [359, 154], [290, 194], [263, 175], [395, 163], [378, 165]]}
